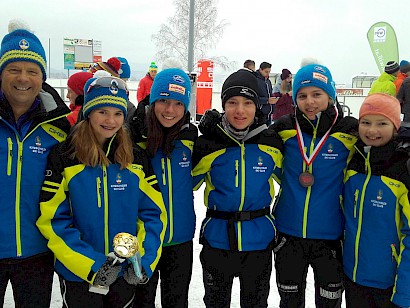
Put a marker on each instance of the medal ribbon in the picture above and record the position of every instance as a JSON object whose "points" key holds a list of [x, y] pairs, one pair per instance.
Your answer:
{"points": [[320, 144]]}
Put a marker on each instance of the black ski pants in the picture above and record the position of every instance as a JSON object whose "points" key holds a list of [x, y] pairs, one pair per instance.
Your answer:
{"points": [[31, 280], [175, 270], [220, 267], [293, 256]]}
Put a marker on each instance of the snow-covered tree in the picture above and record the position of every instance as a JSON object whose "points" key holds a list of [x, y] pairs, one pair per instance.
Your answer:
{"points": [[172, 38]]}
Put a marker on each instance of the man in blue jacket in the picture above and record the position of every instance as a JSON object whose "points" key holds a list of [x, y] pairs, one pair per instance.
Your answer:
{"points": [[266, 101], [32, 121]]}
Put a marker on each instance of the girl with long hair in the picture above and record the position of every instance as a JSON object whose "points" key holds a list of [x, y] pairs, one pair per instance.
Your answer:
{"points": [[162, 125], [97, 185]]}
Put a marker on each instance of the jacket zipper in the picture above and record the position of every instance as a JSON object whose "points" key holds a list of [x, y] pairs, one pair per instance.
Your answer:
{"points": [[9, 156], [98, 181], [236, 173], [359, 223], [17, 204], [170, 204], [106, 231], [356, 195]]}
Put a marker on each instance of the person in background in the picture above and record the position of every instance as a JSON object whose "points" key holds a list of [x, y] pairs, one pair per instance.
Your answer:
{"points": [[318, 143], [116, 67], [283, 84], [124, 70], [266, 101], [75, 93], [97, 173], [404, 68], [33, 119], [163, 128], [145, 84], [376, 252], [283, 91], [125, 74], [250, 65], [238, 232], [112, 66], [404, 98], [385, 82]]}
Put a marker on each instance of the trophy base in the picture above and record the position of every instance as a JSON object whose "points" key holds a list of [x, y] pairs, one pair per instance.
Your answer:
{"points": [[103, 290]]}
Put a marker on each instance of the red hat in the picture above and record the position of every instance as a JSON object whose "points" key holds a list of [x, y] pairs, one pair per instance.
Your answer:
{"points": [[382, 104], [77, 81], [112, 66]]}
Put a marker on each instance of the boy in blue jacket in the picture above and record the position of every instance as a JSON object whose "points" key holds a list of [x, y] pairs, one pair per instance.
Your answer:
{"points": [[236, 156]]}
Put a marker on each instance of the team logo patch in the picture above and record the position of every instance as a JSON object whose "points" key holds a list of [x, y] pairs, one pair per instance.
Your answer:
{"points": [[184, 163], [24, 44], [330, 148], [114, 87], [37, 148], [260, 168], [379, 195], [119, 185]]}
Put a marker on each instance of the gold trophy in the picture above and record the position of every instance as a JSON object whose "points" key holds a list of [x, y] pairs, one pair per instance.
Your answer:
{"points": [[126, 246]]}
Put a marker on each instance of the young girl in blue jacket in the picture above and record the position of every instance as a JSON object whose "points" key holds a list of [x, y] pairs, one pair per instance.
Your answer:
{"points": [[162, 125], [236, 156], [376, 256], [96, 186], [318, 143]]}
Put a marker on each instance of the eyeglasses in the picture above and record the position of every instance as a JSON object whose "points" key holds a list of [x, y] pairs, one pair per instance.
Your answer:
{"points": [[113, 83]]}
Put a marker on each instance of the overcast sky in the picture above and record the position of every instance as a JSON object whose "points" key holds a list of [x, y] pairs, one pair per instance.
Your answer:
{"points": [[279, 32]]}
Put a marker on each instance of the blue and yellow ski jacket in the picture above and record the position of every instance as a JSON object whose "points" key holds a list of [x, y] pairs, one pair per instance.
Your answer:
{"points": [[84, 207], [174, 176], [314, 212], [377, 211], [239, 178], [23, 161]]}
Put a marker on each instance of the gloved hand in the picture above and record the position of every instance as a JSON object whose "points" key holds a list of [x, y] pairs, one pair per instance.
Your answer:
{"points": [[131, 278], [107, 273], [209, 120]]}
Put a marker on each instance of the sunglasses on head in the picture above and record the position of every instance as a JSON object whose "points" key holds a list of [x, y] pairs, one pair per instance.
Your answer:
{"points": [[113, 83]]}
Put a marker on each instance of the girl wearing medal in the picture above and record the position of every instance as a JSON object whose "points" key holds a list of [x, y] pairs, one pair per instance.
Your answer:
{"points": [[96, 186], [318, 143], [236, 156], [376, 254]]}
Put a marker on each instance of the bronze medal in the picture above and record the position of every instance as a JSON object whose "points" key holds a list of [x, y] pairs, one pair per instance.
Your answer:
{"points": [[306, 179]]}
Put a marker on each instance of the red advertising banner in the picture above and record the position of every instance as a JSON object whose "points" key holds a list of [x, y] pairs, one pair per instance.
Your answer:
{"points": [[205, 69]]}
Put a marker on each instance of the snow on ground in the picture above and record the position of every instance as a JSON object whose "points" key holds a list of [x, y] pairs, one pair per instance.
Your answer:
{"points": [[196, 291]]}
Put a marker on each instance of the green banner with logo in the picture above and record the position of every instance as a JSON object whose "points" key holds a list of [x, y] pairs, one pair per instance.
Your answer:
{"points": [[383, 43]]}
